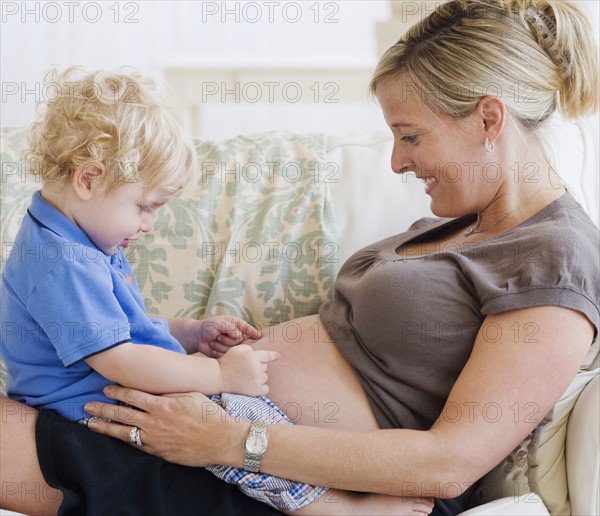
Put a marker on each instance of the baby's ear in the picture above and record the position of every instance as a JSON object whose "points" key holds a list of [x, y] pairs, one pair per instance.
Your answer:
{"points": [[87, 178]]}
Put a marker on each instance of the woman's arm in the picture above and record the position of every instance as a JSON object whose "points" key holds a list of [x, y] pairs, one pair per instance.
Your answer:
{"points": [[510, 369], [506, 373]]}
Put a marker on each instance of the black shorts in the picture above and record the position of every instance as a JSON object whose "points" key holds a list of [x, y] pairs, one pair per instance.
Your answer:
{"points": [[102, 476]]}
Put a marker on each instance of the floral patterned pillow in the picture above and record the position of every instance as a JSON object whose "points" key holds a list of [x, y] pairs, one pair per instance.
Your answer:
{"points": [[255, 238]]}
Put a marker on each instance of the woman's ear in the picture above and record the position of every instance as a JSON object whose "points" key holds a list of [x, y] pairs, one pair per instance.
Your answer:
{"points": [[493, 114], [88, 178]]}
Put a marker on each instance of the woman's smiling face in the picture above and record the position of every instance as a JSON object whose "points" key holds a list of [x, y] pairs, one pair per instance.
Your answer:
{"points": [[448, 154]]}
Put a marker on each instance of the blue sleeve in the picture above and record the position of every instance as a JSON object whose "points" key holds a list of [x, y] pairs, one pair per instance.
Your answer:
{"points": [[160, 323], [76, 307]]}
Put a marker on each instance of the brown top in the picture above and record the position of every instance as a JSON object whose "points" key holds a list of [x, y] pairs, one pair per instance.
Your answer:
{"points": [[408, 324]]}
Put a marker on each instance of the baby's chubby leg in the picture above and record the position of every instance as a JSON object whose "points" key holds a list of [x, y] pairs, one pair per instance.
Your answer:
{"points": [[312, 382]]}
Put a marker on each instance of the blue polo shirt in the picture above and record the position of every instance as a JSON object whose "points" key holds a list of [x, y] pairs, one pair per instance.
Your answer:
{"points": [[62, 301]]}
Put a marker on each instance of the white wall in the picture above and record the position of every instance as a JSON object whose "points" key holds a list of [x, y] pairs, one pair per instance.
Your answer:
{"points": [[153, 34]]}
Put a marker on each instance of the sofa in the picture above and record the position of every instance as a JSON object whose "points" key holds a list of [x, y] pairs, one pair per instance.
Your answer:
{"points": [[262, 236]]}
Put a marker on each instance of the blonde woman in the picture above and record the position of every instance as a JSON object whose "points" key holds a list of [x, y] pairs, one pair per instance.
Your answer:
{"points": [[470, 86]]}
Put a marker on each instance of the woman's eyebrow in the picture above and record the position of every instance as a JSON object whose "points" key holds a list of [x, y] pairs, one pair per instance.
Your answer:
{"points": [[402, 124]]}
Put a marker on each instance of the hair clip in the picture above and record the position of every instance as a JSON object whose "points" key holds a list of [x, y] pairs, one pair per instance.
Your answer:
{"points": [[545, 29]]}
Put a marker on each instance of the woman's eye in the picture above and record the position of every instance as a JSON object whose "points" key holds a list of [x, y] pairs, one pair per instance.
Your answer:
{"points": [[409, 138]]}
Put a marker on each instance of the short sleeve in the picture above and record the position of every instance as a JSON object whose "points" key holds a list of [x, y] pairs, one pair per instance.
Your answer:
{"points": [[161, 324], [75, 307], [550, 270]]}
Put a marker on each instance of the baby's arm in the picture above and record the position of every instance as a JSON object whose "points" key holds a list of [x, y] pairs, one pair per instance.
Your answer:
{"points": [[159, 371]]}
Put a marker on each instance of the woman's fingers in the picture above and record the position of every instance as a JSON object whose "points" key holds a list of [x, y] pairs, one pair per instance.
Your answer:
{"points": [[136, 404], [118, 413], [118, 421], [141, 400], [116, 430], [185, 428]]}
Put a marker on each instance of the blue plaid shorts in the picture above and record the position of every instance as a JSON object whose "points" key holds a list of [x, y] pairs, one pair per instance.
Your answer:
{"points": [[274, 491]]}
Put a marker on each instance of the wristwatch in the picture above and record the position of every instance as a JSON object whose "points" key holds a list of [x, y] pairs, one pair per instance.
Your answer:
{"points": [[255, 445]]}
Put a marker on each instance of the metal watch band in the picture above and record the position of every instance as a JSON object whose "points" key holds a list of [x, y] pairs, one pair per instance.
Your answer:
{"points": [[252, 465], [252, 460]]}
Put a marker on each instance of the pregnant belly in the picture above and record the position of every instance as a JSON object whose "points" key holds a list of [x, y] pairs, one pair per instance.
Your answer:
{"points": [[312, 382]]}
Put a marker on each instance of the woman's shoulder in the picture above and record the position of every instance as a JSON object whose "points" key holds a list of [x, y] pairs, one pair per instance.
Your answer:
{"points": [[551, 259], [564, 229]]}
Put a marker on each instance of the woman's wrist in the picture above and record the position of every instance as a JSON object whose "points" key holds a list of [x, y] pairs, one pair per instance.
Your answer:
{"points": [[231, 450]]}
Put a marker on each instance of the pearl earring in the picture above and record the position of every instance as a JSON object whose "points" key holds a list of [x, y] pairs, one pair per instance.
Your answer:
{"points": [[489, 146]]}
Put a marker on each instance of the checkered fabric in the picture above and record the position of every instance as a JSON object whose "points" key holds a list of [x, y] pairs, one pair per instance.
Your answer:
{"points": [[274, 491]]}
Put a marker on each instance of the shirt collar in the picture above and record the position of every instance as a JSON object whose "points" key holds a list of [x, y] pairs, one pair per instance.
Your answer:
{"points": [[50, 218]]}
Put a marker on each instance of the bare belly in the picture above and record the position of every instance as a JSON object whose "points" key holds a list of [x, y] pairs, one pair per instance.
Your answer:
{"points": [[312, 382]]}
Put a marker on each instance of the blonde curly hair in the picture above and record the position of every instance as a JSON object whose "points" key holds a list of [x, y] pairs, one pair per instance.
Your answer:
{"points": [[118, 119]]}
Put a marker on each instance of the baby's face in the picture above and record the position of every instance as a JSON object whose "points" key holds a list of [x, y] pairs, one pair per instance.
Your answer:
{"points": [[116, 218]]}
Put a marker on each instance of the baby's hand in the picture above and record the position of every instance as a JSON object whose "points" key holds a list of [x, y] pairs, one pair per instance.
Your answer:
{"points": [[244, 370], [216, 335]]}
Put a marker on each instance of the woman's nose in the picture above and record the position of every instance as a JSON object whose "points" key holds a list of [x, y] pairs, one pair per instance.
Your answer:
{"points": [[401, 162]]}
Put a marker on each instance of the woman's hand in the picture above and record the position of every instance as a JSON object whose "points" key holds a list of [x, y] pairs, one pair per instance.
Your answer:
{"points": [[187, 429]]}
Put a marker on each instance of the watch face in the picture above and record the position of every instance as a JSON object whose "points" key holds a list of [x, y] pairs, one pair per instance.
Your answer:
{"points": [[256, 444]]}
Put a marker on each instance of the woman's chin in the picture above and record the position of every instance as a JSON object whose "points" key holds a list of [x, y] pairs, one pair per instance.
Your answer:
{"points": [[439, 211], [442, 209]]}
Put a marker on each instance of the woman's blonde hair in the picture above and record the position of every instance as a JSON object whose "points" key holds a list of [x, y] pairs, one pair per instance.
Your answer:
{"points": [[536, 55], [120, 120]]}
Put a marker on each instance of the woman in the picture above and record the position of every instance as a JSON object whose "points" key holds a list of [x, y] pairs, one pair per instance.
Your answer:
{"points": [[421, 321]]}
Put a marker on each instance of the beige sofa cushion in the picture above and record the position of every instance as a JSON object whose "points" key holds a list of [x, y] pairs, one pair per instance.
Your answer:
{"points": [[583, 458], [538, 464]]}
